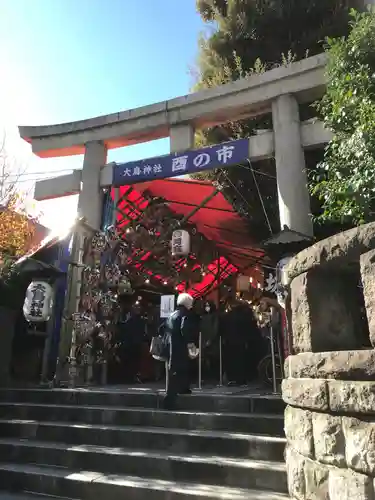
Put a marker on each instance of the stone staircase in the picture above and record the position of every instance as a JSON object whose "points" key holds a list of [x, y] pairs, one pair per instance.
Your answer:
{"points": [[86, 444]]}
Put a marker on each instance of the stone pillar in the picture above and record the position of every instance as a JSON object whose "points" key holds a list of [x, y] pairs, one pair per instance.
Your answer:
{"points": [[367, 263], [90, 203], [181, 138], [293, 194], [330, 417], [90, 206]]}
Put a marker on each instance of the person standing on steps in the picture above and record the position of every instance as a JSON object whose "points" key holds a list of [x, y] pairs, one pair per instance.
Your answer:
{"points": [[180, 334], [209, 330], [131, 331]]}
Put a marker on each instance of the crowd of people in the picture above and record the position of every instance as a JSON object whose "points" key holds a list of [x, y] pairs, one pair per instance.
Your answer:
{"points": [[236, 328]]}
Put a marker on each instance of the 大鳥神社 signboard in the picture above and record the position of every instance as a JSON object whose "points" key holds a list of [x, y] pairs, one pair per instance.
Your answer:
{"points": [[189, 162]]}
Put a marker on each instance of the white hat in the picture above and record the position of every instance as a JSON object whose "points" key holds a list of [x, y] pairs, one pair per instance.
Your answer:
{"points": [[186, 300]]}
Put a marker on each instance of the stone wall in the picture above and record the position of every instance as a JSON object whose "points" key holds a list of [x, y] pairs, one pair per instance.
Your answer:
{"points": [[330, 377]]}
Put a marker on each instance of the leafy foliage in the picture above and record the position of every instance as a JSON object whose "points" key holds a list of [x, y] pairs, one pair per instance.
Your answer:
{"points": [[345, 179], [13, 287], [249, 37], [16, 228]]}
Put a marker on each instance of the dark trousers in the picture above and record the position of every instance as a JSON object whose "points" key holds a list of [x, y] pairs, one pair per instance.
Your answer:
{"points": [[178, 383]]}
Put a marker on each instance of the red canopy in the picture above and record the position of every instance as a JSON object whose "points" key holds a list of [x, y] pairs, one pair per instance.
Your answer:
{"points": [[217, 220]]}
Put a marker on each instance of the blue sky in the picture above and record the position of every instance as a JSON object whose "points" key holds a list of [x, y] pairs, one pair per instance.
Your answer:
{"points": [[65, 60]]}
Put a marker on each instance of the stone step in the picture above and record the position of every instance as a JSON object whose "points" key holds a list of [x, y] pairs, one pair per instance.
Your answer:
{"points": [[89, 485], [254, 423], [222, 471], [8, 495], [137, 399], [240, 445]]}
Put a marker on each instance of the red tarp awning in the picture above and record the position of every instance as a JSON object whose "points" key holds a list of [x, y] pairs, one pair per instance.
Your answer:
{"points": [[217, 220]]}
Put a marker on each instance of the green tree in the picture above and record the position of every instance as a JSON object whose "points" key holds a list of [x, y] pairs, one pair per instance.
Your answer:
{"points": [[251, 36], [345, 179]]}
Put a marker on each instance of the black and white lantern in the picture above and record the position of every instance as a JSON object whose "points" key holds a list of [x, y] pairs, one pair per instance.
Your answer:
{"points": [[38, 303]]}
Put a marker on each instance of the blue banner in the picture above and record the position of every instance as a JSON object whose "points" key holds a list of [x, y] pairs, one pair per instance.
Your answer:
{"points": [[190, 162]]}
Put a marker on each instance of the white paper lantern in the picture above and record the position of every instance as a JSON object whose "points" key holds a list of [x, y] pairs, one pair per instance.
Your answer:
{"points": [[281, 273], [38, 302], [180, 242], [243, 283], [282, 280]]}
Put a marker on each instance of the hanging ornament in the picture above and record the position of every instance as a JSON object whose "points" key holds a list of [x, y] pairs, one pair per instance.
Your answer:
{"points": [[90, 322], [112, 274], [124, 285], [77, 324], [83, 325], [122, 251], [95, 295], [106, 304], [99, 242], [92, 276], [112, 234], [115, 310], [86, 301], [76, 317]]}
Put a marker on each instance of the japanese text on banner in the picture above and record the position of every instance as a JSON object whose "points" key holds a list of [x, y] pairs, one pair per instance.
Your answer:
{"points": [[221, 155]]}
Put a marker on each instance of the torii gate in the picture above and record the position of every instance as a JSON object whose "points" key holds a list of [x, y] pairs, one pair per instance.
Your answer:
{"points": [[278, 90]]}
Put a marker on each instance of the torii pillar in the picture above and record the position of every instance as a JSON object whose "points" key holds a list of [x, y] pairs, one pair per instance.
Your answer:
{"points": [[90, 208], [292, 189], [90, 202]]}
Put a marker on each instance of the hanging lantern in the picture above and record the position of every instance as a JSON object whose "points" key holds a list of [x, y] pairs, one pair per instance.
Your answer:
{"points": [[38, 304], [282, 280], [243, 283], [180, 242], [281, 270]]}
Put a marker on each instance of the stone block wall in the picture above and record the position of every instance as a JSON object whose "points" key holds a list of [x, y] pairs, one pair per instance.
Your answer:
{"points": [[330, 377]]}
